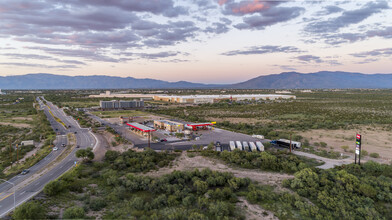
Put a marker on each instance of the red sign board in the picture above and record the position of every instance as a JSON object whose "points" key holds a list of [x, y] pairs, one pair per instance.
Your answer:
{"points": [[358, 136]]}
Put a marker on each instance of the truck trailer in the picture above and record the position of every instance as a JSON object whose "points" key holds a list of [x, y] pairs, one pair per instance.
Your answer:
{"points": [[245, 145], [252, 146], [232, 145], [239, 145], [260, 146]]}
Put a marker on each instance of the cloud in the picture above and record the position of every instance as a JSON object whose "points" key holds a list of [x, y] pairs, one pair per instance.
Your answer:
{"points": [[217, 28], [82, 53], [154, 56], [311, 59], [263, 50], [340, 38], [385, 52], [159, 7], [95, 25], [347, 18], [39, 65], [270, 17], [41, 57], [330, 9]]}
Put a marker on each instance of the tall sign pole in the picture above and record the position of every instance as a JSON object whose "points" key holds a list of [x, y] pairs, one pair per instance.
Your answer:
{"points": [[358, 148]]}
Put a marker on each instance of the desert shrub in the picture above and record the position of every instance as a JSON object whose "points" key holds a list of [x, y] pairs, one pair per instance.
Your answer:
{"points": [[374, 155], [74, 213]]}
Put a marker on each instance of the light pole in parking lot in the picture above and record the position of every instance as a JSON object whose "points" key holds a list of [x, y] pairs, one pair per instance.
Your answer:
{"points": [[13, 187]]}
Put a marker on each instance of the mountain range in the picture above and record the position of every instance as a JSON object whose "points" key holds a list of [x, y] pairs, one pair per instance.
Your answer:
{"points": [[286, 80]]}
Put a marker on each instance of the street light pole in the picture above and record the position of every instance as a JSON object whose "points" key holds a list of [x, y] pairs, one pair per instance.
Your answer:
{"points": [[13, 187]]}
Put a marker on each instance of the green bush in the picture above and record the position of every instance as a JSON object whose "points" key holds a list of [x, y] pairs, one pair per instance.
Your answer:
{"points": [[97, 204], [54, 187], [345, 148], [29, 210], [74, 213], [374, 155]]}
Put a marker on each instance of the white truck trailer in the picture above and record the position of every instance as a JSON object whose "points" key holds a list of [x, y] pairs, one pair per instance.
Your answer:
{"points": [[245, 145], [239, 145], [232, 145], [260, 146], [252, 146]]}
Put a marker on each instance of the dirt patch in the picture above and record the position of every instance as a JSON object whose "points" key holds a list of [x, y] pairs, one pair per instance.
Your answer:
{"points": [[109, 139], [240, 120], [374, 140], [23, 118], [17, 125], [189, 163], [254, 211]]}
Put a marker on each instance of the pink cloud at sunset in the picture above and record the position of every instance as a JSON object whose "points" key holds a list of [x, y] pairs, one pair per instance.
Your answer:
{"points": [[250, 7]]}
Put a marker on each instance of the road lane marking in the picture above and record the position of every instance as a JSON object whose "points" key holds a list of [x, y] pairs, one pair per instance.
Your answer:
{"points": [[6, 196], [22, 193], [36, 184]]}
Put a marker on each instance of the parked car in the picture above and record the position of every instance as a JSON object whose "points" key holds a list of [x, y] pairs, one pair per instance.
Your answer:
{"points": [[77, 146], [55, 148], [163, 140], [24, 172], [63, 145], [75, 132]]}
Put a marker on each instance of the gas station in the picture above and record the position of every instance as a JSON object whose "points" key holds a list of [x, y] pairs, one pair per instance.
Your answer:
{"points": [[141, 130], [200, 126]]}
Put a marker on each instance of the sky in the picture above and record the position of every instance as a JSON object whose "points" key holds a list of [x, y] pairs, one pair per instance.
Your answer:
{"points": [[207, 41]]}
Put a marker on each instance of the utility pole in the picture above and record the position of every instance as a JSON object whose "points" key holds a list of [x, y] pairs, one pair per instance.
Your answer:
{"points": [[12, 159], [149, 135], [17, 153], [360, 149]]}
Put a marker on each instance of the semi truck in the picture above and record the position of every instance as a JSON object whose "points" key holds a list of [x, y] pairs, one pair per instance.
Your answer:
{"points": [[252, 146], [232, 145], [286, 143], [260, 146], [239, 145]]}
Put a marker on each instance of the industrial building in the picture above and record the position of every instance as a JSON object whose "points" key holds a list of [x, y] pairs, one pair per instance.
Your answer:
{"points": [[199, 99], [108, 94], [121, 104], [167, 125]]}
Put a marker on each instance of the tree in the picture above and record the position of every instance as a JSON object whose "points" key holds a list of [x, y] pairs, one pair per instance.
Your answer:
{"points": [[86, 154], [30, 210]]}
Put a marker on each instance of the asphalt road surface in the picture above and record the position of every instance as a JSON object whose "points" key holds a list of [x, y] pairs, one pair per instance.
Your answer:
{"points": [[27, 186]]}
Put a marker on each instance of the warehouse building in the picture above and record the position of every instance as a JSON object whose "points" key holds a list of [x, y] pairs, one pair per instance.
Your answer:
{"points": [[199, 99], [121, 104], [167, 125]]}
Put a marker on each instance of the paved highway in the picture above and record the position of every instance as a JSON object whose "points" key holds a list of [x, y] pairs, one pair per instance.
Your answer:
{"points": [[26, 186]]}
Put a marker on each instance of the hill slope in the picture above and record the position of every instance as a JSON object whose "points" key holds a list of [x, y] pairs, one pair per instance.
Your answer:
{"points": [[288, 80], [50, 81], [319, 80]]}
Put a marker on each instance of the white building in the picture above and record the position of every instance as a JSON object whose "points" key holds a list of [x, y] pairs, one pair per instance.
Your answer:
{"points": [[198, 99]]}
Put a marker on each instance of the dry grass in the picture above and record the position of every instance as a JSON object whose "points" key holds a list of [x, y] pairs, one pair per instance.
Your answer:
{"points": [[374, 139]]}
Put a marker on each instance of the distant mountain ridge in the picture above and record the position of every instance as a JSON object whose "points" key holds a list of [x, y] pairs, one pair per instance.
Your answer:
{"points": [[51, 81], [318, 80], [286, 80]]}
